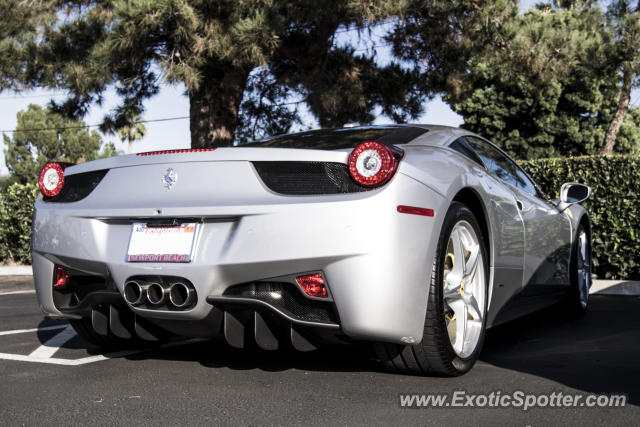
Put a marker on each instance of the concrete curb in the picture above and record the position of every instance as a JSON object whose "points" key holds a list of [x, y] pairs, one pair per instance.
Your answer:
{"points": [[15, 270], [615, 287]]}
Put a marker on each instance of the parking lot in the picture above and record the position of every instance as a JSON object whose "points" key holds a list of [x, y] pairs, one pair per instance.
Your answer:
{"points": [[50, 376]]}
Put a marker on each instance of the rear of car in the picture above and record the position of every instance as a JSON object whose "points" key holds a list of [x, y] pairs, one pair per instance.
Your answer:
{"points": [[296, 239]]}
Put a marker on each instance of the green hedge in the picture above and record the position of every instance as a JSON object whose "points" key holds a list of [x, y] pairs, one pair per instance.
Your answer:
{"points": [[16, 210], [613, 207]]}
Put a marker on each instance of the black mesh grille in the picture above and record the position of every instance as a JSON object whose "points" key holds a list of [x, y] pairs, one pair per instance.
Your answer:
{"points": [[287, 297], [307, 178], [78, 186]]}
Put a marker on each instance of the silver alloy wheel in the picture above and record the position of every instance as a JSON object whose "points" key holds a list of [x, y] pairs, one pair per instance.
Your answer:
{"points": [[584, 268], [464, 290]]}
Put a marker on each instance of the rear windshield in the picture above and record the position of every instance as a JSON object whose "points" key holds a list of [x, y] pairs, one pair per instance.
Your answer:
{"points": [[335, 139]]}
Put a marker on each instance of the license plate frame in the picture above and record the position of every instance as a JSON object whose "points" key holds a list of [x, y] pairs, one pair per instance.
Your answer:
{"points": [[172, 243]]}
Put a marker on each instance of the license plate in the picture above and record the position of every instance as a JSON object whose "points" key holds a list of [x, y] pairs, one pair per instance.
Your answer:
{"points": [[171, 243]]}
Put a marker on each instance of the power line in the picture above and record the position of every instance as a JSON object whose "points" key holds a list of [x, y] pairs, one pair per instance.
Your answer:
{"points": [[48, 95], [166, 119], [355, 27], [374, 47]]}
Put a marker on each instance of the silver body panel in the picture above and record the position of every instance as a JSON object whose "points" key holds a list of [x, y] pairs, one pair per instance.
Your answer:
{"points": [[377, 262]]}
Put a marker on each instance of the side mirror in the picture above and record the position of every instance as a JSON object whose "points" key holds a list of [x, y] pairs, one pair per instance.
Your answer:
{"points": [[573, 192]]}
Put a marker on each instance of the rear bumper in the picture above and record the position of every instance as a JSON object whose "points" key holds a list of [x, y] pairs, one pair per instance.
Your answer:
{"points": [[377, 262]]}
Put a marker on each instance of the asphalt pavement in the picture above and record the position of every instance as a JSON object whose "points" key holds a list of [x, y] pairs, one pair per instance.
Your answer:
{"points": [[52, 377]]}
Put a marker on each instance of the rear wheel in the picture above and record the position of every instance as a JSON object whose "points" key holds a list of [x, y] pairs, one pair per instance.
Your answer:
{"points": [[457, 304]]}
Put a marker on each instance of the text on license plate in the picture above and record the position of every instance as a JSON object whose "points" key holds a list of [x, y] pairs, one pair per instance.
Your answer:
{"points": [[171, 243]]}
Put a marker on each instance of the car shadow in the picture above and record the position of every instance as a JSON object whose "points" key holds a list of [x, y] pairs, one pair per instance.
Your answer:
{"points": [[49, 327], [218, 354], [596, 353]]}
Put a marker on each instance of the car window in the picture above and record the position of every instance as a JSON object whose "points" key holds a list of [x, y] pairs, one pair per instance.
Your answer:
{"points": [[502, 166], [494, 160], [461, 146], [525, 182]]}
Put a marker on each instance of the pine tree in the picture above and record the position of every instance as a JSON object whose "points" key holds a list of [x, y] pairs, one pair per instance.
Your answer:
{"points": [[540, 84], [441, 37], [213, 48], [18, 30]]}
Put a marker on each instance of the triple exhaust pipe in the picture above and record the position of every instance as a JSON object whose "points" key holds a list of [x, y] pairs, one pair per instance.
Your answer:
{"points": [[177, 294]]}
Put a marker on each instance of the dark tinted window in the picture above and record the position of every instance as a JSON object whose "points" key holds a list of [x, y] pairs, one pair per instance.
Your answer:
{"points": [[494, 160], [525, 182], [335, 139], [501, 165], [461, 146]]}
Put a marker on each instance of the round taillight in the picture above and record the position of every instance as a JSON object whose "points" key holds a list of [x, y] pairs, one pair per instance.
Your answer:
{"points": [[52, 179], [372, 163]]}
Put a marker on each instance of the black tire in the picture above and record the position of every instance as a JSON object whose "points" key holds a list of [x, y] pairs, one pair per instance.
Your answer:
{"points": [[85, 330], [574, 302], [435, 355]]}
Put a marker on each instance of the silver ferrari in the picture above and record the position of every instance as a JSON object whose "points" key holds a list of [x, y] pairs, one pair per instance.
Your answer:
{"points": [[414, 238]]}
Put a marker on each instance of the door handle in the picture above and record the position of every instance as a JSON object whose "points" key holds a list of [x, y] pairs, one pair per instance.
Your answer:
{"points": [[520, 205]]}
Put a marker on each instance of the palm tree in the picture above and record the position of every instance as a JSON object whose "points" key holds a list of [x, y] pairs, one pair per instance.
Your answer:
{"points": [[132, 132]]}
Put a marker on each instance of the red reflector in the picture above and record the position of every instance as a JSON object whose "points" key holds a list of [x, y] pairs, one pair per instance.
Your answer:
{"points": [[415, 211], [313, 285], [62, 274], [181, 150]]}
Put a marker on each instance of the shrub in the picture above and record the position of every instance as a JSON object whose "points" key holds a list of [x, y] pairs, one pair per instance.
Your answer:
{"points": [[613, 207], [16, 210]]}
